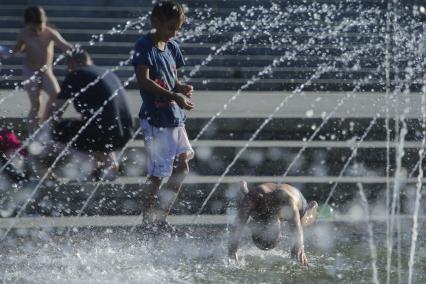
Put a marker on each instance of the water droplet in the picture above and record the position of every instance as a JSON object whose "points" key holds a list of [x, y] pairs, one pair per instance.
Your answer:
{"points": [[309, 113]]}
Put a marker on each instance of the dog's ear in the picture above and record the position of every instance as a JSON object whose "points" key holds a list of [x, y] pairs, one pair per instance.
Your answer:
{"points": [[244, 188]]}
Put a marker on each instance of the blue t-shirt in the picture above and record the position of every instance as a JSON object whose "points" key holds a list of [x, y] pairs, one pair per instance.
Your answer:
{"points": [[163, 65]]}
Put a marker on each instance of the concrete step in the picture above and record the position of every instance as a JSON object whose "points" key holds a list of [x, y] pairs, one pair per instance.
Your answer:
{"points": [[274, 161], [278, 129], [266, 85], [109, 19], [282, 74], [193, 51], [84, 35], [246, 63], [125, 198], [113, 223], [236, 3], [232, 108], [347, 8], [107, 221], [208, 72]]}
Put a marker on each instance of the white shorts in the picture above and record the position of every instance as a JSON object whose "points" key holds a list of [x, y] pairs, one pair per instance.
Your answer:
{"points": [[163, 144]]}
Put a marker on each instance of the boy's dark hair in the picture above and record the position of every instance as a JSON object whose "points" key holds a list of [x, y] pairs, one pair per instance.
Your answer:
{"points": [[35, 15], [265, 233], [168, 10], [78, 55]]}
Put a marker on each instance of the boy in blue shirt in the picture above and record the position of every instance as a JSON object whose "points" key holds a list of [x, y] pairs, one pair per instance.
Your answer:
{"points": [[156, 60]]}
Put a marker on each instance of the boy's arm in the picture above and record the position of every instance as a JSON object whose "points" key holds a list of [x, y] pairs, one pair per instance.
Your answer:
{"points": [[148, 85], [237, 227], [298, 247], [60, 41], [19, 45], [186, 90]]}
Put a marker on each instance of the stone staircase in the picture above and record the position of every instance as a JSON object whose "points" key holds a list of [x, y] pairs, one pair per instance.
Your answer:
{"points": [[85, 21], [316, 172], [266, 159]]}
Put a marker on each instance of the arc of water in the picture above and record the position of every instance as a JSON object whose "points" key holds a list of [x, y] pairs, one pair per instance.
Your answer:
{"points": [[212, 25], [354, 151], [318, 73], [419, 184], [103, 177], [397, 184], [121, 64], [45, 175], [68, 145], [387, 98], [108, 170], [62, 56], [114, 30], [60, 110], [373, 250], [310, 139], [117, 29], [199, 30], [210, 57], [236, 38], [187, 37], [400, 134], [266, 70], [251, 33], [341, 102], [389, 225], [320, 70], [74, 96], [401, 147], [348, 161], [317, 130], [94, 38]]}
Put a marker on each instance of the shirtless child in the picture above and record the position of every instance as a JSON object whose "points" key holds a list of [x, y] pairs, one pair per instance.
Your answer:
{"points": [[37, 40], [268, 205]]}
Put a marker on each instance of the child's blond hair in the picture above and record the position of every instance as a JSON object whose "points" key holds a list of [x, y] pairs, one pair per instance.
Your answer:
{"points": [[35, 15]]}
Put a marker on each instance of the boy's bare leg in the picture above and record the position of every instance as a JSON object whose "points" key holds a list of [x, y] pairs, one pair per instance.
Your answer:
{"points": [[34, 95], [169, 193], [149, 198], [51, 87], [48, 108]]}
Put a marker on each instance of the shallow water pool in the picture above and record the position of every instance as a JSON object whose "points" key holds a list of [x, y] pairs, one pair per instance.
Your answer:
{"points": [[337, 253]]}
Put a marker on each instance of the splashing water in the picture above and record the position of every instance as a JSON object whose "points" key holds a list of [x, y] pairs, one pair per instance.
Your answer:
{"points": [[118, 256]]}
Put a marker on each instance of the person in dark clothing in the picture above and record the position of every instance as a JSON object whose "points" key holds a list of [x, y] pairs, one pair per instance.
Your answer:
{"points": [[106, 124]]}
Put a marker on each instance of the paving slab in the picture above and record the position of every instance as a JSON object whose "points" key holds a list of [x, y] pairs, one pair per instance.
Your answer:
{"points": [[255, 104]]}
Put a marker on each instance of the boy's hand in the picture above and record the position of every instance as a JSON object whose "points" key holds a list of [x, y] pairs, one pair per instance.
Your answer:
{"points": [[186, 90], [183, 101], [298, 253]]}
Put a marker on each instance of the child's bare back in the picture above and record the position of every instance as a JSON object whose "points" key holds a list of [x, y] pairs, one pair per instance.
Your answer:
{"points": [[37, 40], [38, 46]]}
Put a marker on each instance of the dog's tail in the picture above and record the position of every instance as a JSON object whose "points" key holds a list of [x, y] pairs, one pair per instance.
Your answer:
{"points": [[244, 187]]}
